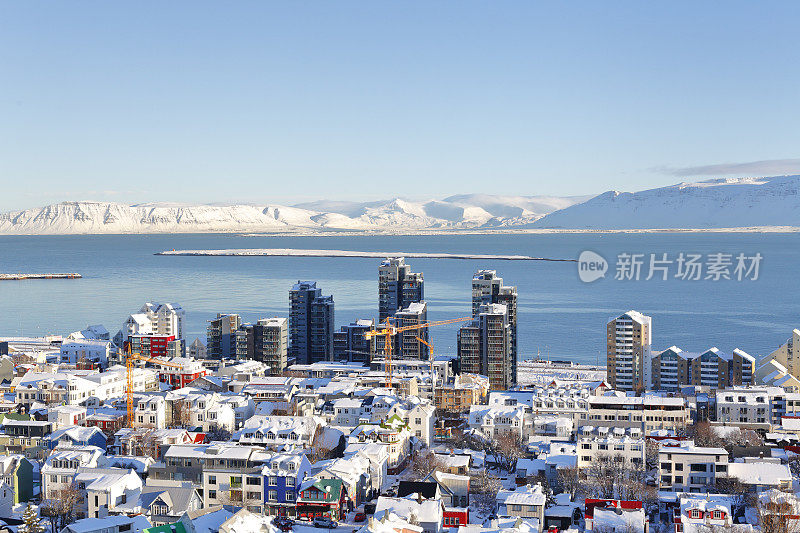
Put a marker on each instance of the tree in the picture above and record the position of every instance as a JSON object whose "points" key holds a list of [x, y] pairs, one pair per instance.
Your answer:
{"points": [[181, 415], [547, 490], [49, 510], [319, 451], [776, 512], [569, 481], [217, 433], [735, 488], [32, 521], [484, 488], [424, 462], [507, 449]]}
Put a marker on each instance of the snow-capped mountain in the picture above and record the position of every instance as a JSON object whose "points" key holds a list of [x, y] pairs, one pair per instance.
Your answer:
{"points": [[463, 212], [716, 203]]}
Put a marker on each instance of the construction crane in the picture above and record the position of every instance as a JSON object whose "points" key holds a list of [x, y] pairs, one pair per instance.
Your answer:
{"points": [[130, 357], [430, 357], [388, 330]]}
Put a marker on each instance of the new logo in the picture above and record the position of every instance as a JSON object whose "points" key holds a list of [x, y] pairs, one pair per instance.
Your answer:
{"points": [[591, 266]]}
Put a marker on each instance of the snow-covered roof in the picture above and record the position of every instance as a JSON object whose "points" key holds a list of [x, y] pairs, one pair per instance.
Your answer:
{"points": [[760, 473]]}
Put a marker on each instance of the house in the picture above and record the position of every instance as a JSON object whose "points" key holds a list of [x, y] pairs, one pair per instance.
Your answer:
{"points": [[17, 474], [282, 476], [427, 513], [322, 497], [231, 475], [107, 491], [699, 514], [621, 516], [353, 471], [59, 470], [690, 468], [393, 434], [109, 524], [150, 411], [67, 415], [761, 474], [454, 463], [454, 493], [527, 502], [164, 502], [630, 452], [77, 436], [276, 432], [86, 354]]}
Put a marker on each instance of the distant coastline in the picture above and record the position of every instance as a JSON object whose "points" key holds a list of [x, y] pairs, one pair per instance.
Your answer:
{"points": [[293, 252]]}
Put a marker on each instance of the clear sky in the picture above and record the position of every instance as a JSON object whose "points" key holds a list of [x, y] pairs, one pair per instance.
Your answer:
{"points": [[291, 101]]}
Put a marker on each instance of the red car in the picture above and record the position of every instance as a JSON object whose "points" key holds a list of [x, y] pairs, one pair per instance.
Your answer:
{"points": [[360, 517]]}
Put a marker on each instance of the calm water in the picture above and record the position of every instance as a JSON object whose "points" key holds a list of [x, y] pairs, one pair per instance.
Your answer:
{"points": [[558, 314]]}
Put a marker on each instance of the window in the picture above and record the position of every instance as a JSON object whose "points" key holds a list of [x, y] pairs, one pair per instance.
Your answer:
{"points": [[212, 480], [273, 480], [253, 480], [290, 481], [212, 494], [289, 496], [273, 495]]}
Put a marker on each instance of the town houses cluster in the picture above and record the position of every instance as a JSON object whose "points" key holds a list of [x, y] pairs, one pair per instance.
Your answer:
{"points": [[289, 424]]}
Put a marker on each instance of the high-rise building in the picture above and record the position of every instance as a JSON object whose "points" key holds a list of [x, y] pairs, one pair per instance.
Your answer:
{"points": [[785, 360], [488, 288], [310, 324], [484, 346], [628, 342], [407, 343], [155, 319], [221, 336], [398, 287], [267, 341], [349, 344]]}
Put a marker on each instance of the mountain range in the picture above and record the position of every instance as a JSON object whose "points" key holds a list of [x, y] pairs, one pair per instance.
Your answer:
{"points": [[718, 203]]}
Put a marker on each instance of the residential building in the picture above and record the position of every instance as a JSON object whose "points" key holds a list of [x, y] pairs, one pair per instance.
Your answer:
{"points": [[648, 413], [164, 502], [630, 452], [427, 513], [398, 287], [488, 288], [197, 350], [484, 346], [87, 354], [466, 390], [310, 324], [150, 412], [221, 337], [673, 369], [232, 476], [407, 343], [695, 514], [351, 346], [282, 476], [628, 340], [156, 346], [691, 468], [16, 471], [106, 491], [525, 502], [756, 408], [267, 341], [155, 319], [787, 355], [322, 497]]}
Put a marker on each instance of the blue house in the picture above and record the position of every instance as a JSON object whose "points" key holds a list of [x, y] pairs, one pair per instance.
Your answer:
{"points": [[77, 436], [282, 475]]}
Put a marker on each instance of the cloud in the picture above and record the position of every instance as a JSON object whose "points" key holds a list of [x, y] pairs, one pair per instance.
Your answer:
{"points": [[767, 167]]}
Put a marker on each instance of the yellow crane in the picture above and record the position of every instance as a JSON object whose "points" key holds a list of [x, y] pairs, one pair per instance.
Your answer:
{"points": [[430, 358], [388, 330], [130, 357]]}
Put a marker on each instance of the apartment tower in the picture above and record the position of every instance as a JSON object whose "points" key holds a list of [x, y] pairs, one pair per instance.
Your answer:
{"points": [[628, 340]]}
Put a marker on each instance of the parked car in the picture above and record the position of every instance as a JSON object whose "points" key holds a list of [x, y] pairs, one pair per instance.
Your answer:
{"points": [[324, 521], [284, 524], [360, 517]]}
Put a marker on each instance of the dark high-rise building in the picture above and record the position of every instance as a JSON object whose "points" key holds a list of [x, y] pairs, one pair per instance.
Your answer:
{"points": [[484, 346], [310, 324], [349, 344], [488, 288], [268, 341], [221, 337], [398, 287]]}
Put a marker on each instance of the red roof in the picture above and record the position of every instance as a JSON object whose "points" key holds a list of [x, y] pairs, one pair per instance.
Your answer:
{"points": [[591, 503]]}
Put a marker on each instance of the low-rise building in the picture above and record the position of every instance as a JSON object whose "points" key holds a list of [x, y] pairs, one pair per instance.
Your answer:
{"points": [[691, 468]]}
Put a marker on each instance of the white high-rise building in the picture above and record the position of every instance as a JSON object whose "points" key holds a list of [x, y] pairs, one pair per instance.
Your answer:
{"points": [[155, 319], [629, 338]]}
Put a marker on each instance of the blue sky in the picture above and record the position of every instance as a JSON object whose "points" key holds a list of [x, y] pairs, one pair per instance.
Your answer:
{"points": [[294, 101]]}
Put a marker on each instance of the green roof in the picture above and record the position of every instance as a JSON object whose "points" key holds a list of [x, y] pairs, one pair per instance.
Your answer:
{"points": [[167, 528], [335, 486]]}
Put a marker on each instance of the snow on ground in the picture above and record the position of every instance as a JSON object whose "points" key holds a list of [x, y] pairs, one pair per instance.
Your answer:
{"points": [[542, 373]]}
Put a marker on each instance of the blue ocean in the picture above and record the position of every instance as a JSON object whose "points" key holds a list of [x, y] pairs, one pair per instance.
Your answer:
{"points": [[560, 316]]}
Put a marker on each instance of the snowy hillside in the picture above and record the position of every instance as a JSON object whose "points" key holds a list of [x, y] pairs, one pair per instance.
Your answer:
{"points": [[717, 203], [457, 213]]}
